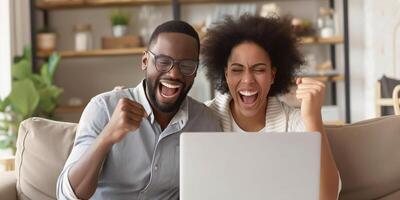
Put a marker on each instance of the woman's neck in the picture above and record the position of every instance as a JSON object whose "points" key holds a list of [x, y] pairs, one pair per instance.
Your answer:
{"points": [[249, 123]]}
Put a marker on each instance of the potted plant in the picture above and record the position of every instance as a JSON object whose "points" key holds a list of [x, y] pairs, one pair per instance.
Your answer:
{"points": [[46, 40], [31, 95], [119, 21]]}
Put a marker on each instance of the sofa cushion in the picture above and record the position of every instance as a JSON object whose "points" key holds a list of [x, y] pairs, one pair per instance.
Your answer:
{"points": [[7, 185], [43, 147], [392, 196], [367, 155]]}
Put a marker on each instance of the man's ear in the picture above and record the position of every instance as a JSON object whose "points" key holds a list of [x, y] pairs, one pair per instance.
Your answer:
{"points": [[145, 61]]}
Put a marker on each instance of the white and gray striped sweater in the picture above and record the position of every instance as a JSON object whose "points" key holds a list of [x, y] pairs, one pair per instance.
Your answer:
{"points": [[279, 116]]}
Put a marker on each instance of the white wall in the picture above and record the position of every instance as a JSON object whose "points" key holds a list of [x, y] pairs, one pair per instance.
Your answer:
{"points": [[20, 26], [382, 21], [357, 60], [5, 48], [15, 35]]}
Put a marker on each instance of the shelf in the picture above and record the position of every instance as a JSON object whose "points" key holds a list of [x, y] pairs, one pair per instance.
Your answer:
{"points": [[317, 40], [95, 53], [63, 4], [212, 1], [69, 109], [328, 76]]}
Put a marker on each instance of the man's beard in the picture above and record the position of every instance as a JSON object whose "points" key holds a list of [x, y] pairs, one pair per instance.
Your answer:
{"points": [[152, 88]]}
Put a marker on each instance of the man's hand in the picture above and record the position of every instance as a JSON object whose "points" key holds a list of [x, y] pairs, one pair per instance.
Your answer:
{"points": [[127, 117], [83, 175], [119, 87], [311, 93]]}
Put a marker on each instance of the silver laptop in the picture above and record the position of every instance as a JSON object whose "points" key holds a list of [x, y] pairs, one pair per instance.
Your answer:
{"points": [[233, 166]]}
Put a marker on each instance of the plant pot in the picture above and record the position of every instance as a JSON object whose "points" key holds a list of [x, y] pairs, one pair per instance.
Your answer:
{"points": [[119, 30], [46, 41]]}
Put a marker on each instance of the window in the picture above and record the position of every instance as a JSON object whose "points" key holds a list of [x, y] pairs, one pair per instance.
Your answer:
{"points": [[5, 48]]}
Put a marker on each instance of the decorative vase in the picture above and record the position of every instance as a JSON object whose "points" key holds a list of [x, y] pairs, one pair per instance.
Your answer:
{"points": [[46, 41], [119, 30]]}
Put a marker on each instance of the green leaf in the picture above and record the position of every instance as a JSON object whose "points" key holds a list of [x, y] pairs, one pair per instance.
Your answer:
{"points": [[44, 73], [38, 82], [4, 103], [7, 142], [21, 70], [49, 97], [32, 93], [119, 18], [27, 53], [24, 97], [54, 60]]}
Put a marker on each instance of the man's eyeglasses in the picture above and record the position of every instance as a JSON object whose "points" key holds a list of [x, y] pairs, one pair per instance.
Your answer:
{"points": [[165, 63]]}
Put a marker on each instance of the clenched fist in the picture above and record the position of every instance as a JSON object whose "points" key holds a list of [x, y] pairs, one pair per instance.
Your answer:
{"points": [[311, 93], [127, 117]]}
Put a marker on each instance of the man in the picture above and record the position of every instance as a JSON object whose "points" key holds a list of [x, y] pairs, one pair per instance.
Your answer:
{"points": [[127, 143]]}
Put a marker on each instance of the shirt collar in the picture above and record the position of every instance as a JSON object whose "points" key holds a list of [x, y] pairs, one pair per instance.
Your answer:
{"points": [[142, 98], [182, 116]]}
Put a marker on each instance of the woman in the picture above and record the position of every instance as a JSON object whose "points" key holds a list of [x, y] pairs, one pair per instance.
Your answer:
{"points": [[252, 60]]}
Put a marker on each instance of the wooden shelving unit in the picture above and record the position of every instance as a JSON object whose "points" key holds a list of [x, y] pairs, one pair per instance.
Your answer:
{"points": [[46, 6], [140, 50], [95, 53], [50, 5], [330, 75], [317, 40], [326, 78], [210, 1]]}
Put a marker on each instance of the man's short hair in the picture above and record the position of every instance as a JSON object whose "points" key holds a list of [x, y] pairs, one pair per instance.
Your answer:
{"points": [[175, 26]]}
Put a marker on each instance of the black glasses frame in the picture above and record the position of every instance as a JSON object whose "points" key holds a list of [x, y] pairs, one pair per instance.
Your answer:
{"points": [[173, 63]]}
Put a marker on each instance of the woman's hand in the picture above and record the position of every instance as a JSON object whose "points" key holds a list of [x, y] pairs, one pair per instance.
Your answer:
{"points": [[311, 94]]}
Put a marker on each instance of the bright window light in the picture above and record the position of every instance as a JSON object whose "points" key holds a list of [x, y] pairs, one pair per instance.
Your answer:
{"points": [[5, 48]]}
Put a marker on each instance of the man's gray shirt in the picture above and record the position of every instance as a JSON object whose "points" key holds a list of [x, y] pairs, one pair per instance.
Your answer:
{"points": [[145, 164]]}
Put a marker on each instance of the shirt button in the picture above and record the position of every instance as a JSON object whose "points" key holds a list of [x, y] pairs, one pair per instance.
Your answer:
{"points": [[156, 167]]}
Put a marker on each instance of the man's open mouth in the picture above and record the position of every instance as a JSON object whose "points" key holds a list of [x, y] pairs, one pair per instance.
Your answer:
{"points": [[170, 90]]}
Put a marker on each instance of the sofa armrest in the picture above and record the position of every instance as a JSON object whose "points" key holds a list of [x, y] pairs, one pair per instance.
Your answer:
{"points": [[8, 189]]}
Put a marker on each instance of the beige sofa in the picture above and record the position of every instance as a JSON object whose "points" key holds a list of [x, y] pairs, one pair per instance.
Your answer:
{"points": [[367, 154]]}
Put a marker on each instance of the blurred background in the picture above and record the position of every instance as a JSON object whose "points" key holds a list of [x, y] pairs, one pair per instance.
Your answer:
{"points": [[72, 50]]}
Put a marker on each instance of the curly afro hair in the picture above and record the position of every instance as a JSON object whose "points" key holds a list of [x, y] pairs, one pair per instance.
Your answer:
{"points": [[275, 35]]}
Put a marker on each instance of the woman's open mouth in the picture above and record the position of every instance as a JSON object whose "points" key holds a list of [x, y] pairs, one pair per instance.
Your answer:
{"points": [[248, 97]]}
